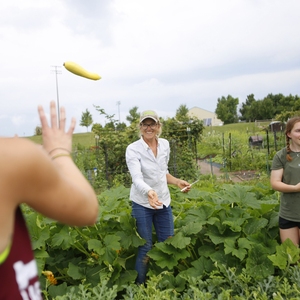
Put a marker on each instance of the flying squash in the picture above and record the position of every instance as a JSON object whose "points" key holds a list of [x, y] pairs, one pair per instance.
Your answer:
{"points": [[78, 70]]}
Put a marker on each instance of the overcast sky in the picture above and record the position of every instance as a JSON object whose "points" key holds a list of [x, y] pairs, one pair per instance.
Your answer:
{"points": [[154, 54]]}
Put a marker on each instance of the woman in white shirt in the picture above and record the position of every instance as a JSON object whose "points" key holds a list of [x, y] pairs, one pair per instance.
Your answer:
{"points": [[147, 160]]}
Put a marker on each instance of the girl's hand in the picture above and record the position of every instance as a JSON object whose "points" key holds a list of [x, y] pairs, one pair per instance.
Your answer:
{"points": [[55, 138]]}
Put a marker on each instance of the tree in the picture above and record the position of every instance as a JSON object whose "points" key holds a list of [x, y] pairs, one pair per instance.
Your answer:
{"points": [[246, 111], [112, 123], [227, 109], [38, 130], [121, 126], [266, 109], [182, 113], [86, 119], [133, 115], [96, 128]]}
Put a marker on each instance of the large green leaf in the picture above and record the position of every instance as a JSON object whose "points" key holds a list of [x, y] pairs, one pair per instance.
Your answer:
{"points": [[125, 278], [220, 258], [233, 226], [38, 234], [262, 237], [230, 247], [92, 274], [75, 272], [166, 256], [65, 238], [200, 267], [238, 194], [257, 264], [269, 205], [254, 225], [96, 246], [58, 290], [192, 228], [286, 254], [129, 239], [244, 243], [217, 238], [112, 242], [206, 250], [39, 239], [169, 281], [178, 241]]}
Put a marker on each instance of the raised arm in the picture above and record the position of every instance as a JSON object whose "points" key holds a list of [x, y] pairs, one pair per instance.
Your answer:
{"points": [[51, 183]]}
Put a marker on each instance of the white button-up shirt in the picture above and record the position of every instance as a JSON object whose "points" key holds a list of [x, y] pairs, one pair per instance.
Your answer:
{"points": [[148, 172]]}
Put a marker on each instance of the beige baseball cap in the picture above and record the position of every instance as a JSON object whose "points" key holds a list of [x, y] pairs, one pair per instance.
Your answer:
{"points": [[149, 114]]}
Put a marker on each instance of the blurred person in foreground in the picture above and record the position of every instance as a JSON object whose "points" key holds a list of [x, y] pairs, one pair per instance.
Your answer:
{"points": [[147, 160], [46, 179], [285, 178]]}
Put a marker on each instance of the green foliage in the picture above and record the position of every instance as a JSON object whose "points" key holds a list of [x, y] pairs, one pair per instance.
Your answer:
{"points": [[226, 243], [287, 254], [286, 115], [233, 151], [86, 119], [227, 109], [272, 106], [182, 113], [38, 130], [183, 144], [247, 111], [134, 115]]}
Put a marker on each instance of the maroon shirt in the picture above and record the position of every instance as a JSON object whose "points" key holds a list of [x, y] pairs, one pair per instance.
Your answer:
{"points": [[18, 273]]}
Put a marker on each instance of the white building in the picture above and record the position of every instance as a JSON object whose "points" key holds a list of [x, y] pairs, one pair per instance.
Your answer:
{"points": [[208, 118]]}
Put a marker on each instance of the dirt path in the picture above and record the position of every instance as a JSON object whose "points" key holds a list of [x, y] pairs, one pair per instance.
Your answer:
{"points": [[208, 168]]}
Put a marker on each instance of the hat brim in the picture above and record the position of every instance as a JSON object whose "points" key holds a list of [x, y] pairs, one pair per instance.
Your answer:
{"points": [[149, 117]]}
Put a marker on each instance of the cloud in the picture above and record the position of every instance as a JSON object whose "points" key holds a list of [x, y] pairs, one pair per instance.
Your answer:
{"points": [[151, 54]]}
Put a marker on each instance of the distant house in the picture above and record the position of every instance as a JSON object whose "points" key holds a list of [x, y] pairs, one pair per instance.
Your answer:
{"points": [[208, 118]]}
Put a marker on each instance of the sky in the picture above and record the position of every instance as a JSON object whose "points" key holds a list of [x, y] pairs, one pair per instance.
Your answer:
{"points": [[153, 54]]}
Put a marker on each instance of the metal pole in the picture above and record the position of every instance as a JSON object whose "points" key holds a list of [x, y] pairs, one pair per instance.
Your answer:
{"points": [[57, 95], [118, 103]]}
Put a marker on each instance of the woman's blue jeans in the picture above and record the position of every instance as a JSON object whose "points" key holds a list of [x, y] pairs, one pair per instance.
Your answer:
{"points": [[162, 219]]}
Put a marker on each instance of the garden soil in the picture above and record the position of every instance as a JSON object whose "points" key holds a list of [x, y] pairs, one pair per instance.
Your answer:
{"points": [[207, 168]]}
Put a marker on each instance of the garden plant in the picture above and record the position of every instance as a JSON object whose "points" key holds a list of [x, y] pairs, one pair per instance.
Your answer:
{"points": [[226, 243]]}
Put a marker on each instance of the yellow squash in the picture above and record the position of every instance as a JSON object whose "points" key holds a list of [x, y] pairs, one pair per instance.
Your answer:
{"points": [[78, 70]]}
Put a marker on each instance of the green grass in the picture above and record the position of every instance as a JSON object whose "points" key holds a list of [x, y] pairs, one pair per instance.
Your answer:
{"points": [[88, 139], [251, 128], [84, 139]]}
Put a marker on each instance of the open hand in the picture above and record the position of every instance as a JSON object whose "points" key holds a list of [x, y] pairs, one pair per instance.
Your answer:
{"points": [[55, 136], [153, 199]]}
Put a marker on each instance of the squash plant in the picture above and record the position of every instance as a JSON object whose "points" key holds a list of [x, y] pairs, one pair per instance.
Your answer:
{"points": [[226, 243]]}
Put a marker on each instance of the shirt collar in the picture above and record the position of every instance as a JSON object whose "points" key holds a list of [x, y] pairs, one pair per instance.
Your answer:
{"points": [[145, 145]]}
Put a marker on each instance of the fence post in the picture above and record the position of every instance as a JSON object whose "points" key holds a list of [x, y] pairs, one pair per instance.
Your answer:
{"points": [[268, 142], [275, 142], [211, 166], [106, 164], [174, 157], [229, 151]]}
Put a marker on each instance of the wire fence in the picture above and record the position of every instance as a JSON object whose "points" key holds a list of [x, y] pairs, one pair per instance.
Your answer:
{"points": [[104, 164]]}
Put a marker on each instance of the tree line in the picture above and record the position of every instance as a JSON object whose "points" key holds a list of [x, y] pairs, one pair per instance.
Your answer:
{"points": [[278, 107]]}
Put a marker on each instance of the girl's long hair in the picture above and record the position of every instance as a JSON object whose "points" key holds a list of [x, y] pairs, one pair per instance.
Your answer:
{"points": [[289, 127]]}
